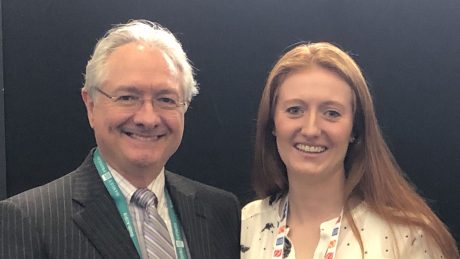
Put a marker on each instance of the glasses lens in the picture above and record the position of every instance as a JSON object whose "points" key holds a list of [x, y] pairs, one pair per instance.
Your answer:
{"points": [[166, 103]]}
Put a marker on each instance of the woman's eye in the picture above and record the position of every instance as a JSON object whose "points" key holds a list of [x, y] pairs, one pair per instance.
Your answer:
{"points": [[332, 114], [293, 110]]}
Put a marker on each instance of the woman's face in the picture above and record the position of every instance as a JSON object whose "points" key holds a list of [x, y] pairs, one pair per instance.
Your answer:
{"points": [[313, 122]]}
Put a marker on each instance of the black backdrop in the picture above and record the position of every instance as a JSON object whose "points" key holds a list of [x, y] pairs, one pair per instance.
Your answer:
{"points": [[409, 51]]}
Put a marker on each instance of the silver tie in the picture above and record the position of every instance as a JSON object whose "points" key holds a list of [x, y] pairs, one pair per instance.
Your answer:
{"points": [[157, 240]]}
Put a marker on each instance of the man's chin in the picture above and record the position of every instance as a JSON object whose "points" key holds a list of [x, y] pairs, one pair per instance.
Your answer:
{"points": [[142, 162], [145, 163]]}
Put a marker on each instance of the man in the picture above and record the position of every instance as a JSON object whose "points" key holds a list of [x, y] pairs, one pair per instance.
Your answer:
{"points": [[138, 85]]}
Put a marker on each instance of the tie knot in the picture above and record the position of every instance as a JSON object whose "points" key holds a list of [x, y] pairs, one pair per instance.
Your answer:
{"points": [[145, 198]]}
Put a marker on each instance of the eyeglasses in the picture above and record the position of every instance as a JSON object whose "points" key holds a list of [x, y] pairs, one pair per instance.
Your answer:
{"points": [[135, 101]]}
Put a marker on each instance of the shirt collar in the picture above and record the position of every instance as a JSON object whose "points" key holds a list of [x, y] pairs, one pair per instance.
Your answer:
{"points": [[156, 186]]}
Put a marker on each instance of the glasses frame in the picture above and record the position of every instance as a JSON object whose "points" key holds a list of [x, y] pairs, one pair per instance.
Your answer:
{"points": [[114, 100]]}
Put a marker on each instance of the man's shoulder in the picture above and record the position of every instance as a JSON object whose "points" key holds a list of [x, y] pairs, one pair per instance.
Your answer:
{"points": [[57, 191], [44, 194]]}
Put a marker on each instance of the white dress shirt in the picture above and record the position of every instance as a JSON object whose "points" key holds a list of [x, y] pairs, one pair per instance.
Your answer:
{"points": [[157, 186]]}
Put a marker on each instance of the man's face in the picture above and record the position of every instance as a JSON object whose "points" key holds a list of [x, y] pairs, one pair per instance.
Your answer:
{"points": [[140, 140]]}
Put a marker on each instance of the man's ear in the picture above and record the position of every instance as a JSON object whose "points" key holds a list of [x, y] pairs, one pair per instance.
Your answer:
{"points": [[89, 104]]}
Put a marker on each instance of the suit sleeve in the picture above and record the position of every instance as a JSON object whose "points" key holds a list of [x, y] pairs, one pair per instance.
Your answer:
{"points": [[18, 237], [225, 231], [234, 224]]}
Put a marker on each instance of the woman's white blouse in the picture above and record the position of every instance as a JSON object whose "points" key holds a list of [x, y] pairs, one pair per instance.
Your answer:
{"points": [[260, 221]]}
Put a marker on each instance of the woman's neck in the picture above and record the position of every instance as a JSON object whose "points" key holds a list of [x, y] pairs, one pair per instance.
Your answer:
{"points": [[315, 199]]}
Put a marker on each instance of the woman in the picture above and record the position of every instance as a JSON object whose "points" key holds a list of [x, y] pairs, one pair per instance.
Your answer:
{"points": [[329, 185]]}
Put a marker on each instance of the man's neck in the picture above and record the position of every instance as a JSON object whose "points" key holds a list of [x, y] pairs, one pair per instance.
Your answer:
{"points": [[138, 177], [139, 181]]}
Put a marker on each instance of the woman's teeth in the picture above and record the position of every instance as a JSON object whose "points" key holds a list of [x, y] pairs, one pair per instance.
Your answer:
{"points": [[310, 149]]}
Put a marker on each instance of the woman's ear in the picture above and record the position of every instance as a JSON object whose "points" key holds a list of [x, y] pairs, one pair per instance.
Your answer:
{"points": [[352, 139]]}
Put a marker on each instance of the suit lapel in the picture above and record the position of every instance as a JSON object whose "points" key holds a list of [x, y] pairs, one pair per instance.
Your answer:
{"points": [[192, 215], [97, 216]]}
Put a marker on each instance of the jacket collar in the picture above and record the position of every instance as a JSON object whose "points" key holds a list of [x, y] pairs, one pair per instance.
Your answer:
{"points": [[96, 215]]}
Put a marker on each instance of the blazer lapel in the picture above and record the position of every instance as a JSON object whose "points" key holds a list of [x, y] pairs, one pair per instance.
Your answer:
{"points": [[97, 216], [192, 216]]}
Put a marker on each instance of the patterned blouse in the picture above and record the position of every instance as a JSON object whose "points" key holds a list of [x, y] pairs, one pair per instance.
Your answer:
{"points": [[261, 218]]}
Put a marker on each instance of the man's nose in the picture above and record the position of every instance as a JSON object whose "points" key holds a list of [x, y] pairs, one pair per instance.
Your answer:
{"points": [[147, 114]]}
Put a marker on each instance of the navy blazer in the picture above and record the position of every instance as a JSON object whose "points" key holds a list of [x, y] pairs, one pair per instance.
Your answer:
{"points": [[75, 217]]}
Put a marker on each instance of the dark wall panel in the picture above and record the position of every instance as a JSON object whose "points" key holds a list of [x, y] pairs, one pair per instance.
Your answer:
{"points": [[409, 51], [2, 119]]}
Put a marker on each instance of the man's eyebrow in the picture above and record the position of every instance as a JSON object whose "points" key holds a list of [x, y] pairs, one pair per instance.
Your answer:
{"points": [[128, 88], [136, 90], [167, 91]]}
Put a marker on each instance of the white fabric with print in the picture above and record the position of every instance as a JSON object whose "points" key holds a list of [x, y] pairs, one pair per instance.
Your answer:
{"points": [[260, 221]]}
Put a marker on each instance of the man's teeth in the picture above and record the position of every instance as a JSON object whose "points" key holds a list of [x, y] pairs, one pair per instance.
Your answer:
{"points": [[155, 137], [310, 149]]}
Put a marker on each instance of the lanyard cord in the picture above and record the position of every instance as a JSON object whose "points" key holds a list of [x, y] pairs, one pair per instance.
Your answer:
{"points": [[116, 194], [179, 239], [120, 202], [278, 246]]}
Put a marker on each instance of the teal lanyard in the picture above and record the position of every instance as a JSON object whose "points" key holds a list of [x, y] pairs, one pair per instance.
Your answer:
{"points": [[120, 202], [117, 196], [179, 239]]}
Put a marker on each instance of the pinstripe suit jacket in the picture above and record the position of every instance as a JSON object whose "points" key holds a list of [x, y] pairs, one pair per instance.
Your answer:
{"points": [[75, 217]]}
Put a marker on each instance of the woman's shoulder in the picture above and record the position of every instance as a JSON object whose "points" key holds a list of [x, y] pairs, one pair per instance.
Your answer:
{"points": [[255, 208], [388, 237], [266, 207], [367, 218], [259, 220]]}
